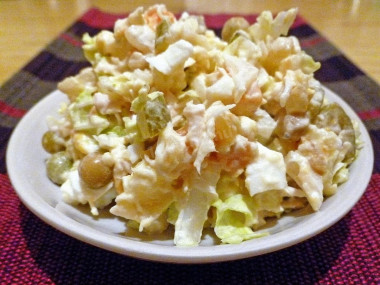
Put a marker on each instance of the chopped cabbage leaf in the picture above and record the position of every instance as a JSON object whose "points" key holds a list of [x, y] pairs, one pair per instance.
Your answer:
{"points": [[171, 156], [81, 116], [235, 218], [298, 167], [201, 189], [229, 185], [133, 133], [265, 125], [141, 37], [89, 47], [266, 172], [201, 132], [173, 58], [243, 75], [267, 26], [321, 153], [146, 195]]}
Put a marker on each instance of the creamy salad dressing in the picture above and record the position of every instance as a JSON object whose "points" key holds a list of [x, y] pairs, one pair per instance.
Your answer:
{"points": [[198, 131]]}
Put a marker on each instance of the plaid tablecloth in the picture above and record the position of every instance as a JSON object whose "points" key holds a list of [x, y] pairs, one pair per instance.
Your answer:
{"points": [[32, 252]]}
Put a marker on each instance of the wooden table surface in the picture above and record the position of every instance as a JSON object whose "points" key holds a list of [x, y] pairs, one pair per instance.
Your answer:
{"points": [[26, 26]]}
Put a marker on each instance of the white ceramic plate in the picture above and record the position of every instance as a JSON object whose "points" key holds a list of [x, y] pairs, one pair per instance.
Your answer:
{"points": [[26, 169]]}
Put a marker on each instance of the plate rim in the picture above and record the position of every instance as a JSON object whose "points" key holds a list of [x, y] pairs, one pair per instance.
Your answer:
{"points": [[162, 253]]}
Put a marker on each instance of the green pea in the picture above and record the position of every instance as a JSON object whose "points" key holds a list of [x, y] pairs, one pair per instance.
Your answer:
{"points": [[57, 167], [50, 142], [94, 172]]}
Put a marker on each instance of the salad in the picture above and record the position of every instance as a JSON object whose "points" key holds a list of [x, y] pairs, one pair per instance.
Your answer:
{"points": [[173, 126]]}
